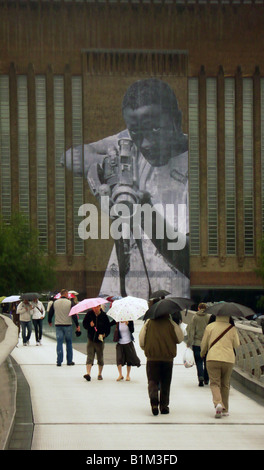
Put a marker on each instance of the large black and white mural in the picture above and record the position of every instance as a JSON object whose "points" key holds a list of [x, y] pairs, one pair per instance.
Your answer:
{"points": [[140, 177]]}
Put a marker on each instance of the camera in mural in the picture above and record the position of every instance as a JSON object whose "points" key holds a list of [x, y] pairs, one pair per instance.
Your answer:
{"points": [[119, 174]]}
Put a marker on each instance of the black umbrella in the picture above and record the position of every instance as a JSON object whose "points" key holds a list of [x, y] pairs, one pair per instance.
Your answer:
{"points": [[167, 306], [158, 293], [229, 309], [30, 296]]}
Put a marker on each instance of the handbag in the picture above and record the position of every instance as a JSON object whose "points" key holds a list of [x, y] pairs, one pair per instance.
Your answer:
{"points": [[220, 336]]}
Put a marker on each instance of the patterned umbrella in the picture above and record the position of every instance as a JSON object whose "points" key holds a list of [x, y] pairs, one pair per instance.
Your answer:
{"points": [[128, 309]]}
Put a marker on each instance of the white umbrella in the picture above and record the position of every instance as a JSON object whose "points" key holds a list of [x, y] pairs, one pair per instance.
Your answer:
{"points": [[11, 298], [128, 309]]}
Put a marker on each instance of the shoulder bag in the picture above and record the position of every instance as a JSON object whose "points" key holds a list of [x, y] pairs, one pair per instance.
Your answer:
{"points": [[221, 336]]}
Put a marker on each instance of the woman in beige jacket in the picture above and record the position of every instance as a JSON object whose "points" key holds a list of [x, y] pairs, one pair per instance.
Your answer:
{"points": [[220, 360]]}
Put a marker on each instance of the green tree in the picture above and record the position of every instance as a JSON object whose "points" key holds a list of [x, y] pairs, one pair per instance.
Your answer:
{"points": [[24, 267]]}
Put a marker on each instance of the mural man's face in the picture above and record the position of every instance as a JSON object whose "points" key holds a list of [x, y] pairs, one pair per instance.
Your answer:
{"points": [[153, 131]]}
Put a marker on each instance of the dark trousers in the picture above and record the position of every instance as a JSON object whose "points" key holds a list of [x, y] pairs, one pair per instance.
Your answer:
{"points": [[200, 364], [159, 374], [38, 329]]}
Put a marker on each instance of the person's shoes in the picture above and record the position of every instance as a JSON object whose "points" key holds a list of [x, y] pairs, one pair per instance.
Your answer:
{"points": [[119, 378], [99, 377], [201, 383], [128, 379], [155, 410], [165, 411], [225, 413], [218, 410], [58, 365], [206, 382], [87, 377], [70, 363]]}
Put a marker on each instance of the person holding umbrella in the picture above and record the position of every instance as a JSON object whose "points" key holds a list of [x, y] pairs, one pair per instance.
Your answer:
{"points": [[98, 328], [25, 311], [124, 312], [125, 350], [158, 338], [219, 342]]}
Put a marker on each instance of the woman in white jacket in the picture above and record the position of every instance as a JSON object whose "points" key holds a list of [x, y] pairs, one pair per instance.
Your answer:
{"points": [[37, 318], [219, 342]]}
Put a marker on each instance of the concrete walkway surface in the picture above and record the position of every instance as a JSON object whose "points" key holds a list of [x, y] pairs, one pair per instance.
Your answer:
{"points": [[70, 413]]}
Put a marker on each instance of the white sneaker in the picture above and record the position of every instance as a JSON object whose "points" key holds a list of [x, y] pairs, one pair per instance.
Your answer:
{"points": [[218, 410], [225, 413]]}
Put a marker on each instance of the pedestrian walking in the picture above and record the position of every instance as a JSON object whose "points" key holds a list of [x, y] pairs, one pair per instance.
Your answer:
{"points": [[97, 325], [158, 338], [195, 330], [63, 322], [219, 342], [125, 349], [37, 319], [25, 310]]}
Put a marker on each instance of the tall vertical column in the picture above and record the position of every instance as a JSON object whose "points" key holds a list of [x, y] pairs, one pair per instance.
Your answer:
{"points": [[51, 161], [239, 167], [68, 174], [32, 146], [221, 165], [257, 162], [14, 139], [203, 167]]}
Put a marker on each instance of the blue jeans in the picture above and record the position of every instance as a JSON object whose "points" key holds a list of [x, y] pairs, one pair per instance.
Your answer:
{"points": [[64, 332], [26, 330], [200, 364]]}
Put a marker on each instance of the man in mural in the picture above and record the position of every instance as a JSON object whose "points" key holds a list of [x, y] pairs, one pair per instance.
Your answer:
{"points": [[146, 165]]}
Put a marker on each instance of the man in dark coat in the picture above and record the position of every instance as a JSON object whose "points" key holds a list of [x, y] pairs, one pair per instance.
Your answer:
{"points": [[98, 327]]}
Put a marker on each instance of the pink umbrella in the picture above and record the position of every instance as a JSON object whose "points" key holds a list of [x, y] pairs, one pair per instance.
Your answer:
{"points": [[86, 304]]}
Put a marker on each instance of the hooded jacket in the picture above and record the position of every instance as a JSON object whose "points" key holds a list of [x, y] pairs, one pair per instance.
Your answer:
{"points": [[223, 350], [196, 327]]}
